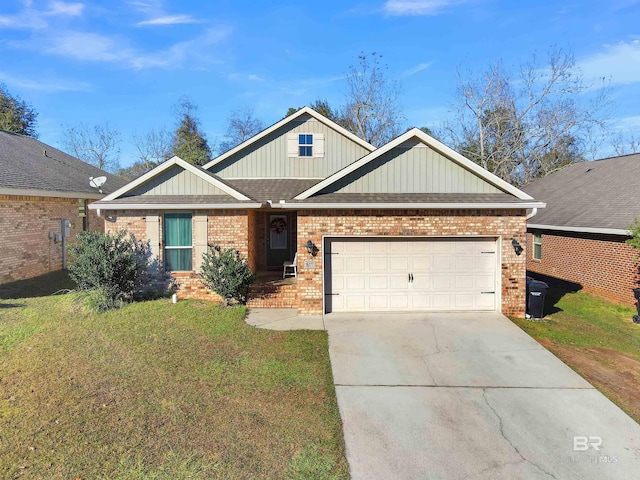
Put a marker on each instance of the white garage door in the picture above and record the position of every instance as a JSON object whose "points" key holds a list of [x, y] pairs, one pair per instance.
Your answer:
{"points": [[371, 274]]}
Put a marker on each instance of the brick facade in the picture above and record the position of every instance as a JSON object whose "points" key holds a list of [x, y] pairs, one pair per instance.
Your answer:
{"points": [[25, 223], [313, 225], [227, 228], [602, 264], [246, 231]]}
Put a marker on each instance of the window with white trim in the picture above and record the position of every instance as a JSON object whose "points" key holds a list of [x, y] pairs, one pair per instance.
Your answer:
{"points": [[305, 145], [178, 242], [537, 245]]}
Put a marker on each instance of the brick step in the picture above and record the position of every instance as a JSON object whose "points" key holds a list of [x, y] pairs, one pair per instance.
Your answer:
{"points": [[270, 295]]}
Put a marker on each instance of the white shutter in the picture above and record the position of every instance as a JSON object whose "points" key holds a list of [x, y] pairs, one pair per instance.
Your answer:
{"points": [[200, 238], [292, 145], [153, 237], [318, 145]]}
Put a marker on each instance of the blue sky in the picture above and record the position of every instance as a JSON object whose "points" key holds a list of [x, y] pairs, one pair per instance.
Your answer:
{"points": [[128, 61]]}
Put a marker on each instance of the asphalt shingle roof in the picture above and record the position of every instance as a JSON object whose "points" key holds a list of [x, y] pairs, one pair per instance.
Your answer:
{"points": [[171, 200], [274, 189], [597, 194], [23, 165], [413, 198]]}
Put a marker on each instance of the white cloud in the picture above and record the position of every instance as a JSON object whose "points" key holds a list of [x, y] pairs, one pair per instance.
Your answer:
{"points": [[168, 20], [33, 19], [419, 7], [418, 68], [64, 8], [617, 62], [44, 83], [631, 123]]}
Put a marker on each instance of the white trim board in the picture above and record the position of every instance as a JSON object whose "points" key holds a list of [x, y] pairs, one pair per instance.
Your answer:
{"points": [[206, 176], [172, 206], [603, 231], [431, 142], [49, 193], [291, 118], [409, 206]]}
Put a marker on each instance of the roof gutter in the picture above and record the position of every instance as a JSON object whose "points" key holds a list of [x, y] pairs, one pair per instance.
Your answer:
{"points": [[172, 206], [428, 206], [49, 193], [564, 228]]}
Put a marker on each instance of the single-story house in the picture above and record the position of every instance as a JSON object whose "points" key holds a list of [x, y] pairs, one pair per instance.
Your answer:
{"points": [[412, 225], [40, 187], [580, 236]]}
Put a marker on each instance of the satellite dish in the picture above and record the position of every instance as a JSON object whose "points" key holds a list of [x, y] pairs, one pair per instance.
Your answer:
{"points": [[97, 182]]}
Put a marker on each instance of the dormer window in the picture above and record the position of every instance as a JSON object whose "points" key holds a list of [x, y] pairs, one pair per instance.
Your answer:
{"points": [[305, 145]]}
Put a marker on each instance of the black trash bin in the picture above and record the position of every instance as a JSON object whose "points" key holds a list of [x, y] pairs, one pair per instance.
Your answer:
{"points": [[536, 292], [636, 293]]}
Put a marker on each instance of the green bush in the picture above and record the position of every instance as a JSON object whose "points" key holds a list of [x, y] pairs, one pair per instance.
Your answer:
{"points": [[634, 231], [227, 273], [111, 267]]}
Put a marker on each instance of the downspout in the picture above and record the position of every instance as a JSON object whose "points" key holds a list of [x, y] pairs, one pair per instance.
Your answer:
{"points": [[532, 214]]}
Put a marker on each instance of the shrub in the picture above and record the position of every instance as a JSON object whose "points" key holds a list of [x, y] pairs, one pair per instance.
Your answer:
{"points": [[112, 267], [634, 231], [227, 273]]}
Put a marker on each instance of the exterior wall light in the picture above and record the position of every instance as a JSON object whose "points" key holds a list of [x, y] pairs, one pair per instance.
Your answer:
{"points": [[516, 246], [311, 248]]}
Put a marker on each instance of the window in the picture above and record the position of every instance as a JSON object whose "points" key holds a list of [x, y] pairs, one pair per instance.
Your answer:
{"points": [[305, 145], [537, 246], [178, 242]]}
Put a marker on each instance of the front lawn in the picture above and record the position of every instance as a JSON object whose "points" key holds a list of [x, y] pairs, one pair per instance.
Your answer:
{"points": [[162, 391], [597, 339]]}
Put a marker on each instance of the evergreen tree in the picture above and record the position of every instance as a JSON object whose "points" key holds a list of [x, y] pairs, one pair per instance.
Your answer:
{"points": [[16, 115], [188, 142]]}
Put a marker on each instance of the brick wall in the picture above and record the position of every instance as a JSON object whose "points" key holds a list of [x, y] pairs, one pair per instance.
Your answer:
{"points": [[25, 223], [602, 264], [312, 225], [227, 228]]}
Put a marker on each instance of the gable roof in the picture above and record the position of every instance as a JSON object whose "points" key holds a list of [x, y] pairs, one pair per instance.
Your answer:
{"points": [[229, 197], [284, 121], [30, 167], [429, 141], [592, 197]]}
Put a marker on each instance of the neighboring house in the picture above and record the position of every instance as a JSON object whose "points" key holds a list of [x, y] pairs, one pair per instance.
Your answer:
{"points": [[580, 236], [39, 187], [411, 225]]}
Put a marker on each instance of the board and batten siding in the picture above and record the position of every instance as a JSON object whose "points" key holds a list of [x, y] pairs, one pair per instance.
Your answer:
{"points": [[267, 158], [412, 168], [177, 181]]}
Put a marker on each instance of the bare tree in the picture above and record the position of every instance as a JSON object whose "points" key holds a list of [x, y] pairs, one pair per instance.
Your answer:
{"points": [[153, 148], [625, 144], [526, 123], [372, 110], [97, 145], [241, 125]]}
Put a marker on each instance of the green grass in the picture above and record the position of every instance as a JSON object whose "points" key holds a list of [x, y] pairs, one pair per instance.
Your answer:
{"points": [[162, 391], [41, 286], [584, 320]]}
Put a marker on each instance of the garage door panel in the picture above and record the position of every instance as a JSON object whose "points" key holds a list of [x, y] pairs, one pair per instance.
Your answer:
{"points": [[378, 263], [411, 274]]}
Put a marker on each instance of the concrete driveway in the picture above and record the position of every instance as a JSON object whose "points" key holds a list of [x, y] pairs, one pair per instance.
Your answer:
{"points": [[469, 396]]}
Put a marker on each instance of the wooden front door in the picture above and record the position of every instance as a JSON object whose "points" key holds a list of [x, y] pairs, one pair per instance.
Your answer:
{"points": [[278, 239]]}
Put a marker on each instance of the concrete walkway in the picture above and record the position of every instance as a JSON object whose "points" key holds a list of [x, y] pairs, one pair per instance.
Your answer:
{"points": [[469, 396], [283, 319]]}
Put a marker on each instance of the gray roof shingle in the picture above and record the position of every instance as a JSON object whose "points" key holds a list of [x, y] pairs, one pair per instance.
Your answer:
{"points": [[274, 189], [24, 166], [413, 198], [597, 194]]}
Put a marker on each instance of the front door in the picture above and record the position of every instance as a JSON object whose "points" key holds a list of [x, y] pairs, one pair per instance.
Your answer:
{"points": [[278, 239]]}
